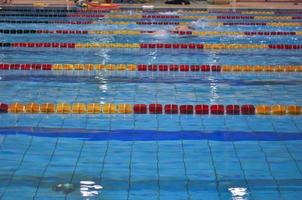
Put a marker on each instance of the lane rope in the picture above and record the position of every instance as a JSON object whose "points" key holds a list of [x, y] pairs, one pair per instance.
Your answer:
{"points": [[154, 108], [150, 67], [151, 45], [143, 32]]}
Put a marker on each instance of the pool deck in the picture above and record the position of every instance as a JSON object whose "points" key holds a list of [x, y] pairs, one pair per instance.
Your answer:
{"points": [[195, 4]]}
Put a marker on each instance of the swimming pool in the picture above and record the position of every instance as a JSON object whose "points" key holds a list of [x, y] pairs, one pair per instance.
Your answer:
{"points": [[185, 155]]}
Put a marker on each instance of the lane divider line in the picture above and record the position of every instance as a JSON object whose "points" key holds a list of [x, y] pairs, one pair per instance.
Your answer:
{"points": [[154, 108], [151, 67], [152, 45], [139, 32], [153, 16], [274, 24], [186, 10]]}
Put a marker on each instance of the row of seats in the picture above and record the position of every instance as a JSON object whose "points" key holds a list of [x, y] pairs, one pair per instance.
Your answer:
{"points": [[109, 108]]}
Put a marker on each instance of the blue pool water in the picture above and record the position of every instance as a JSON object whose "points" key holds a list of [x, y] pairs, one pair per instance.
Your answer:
{"points": [[241, 157]]}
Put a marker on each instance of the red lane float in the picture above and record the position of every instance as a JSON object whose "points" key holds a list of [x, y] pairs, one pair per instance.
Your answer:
{"points": [[217, 109], [42, 45], [171, 109], [202, 109], [235, 17], [3, 108], [160, 16], [244, 23], [186, 109], [248, 109], [269, 33], [157, 23], [285, 46], [104, 6], [86, 15], [171, 46], [233, 109], [140, 108], [155, 108]]}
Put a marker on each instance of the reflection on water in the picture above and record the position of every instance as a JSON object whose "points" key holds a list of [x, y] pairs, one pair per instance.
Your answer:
{"points": [[89, 189]]}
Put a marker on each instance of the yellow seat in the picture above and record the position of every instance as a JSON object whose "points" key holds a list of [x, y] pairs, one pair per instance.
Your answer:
{"points": [[263, 109], [79, 108], [63, 108], [47, 108], [125, 108], [278, 109], [294, 110], [16, 107], [32, 108], [93, 108], [109, 108]]}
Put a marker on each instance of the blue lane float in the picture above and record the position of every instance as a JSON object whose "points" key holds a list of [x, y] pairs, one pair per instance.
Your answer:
{"points": [[149, 135]]}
